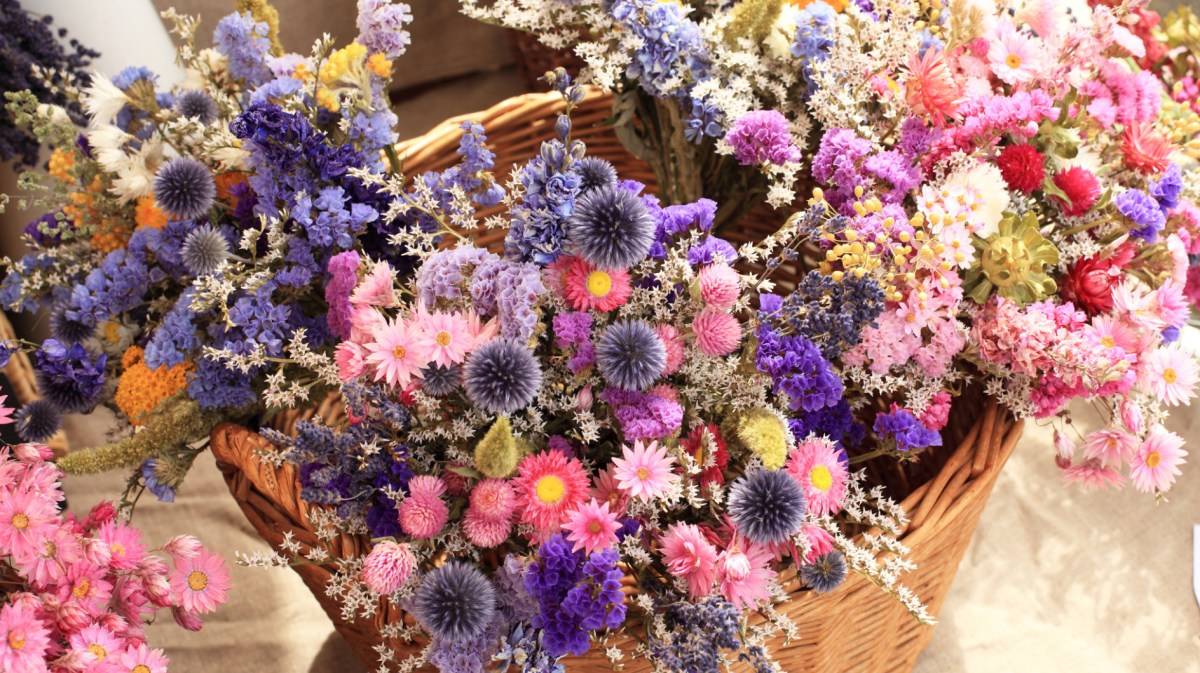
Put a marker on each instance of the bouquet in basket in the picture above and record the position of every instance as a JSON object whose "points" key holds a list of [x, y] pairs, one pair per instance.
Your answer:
{"points": [[197, 220]]}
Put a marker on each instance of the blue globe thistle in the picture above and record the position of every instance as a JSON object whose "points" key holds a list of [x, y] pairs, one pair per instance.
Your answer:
{"points": [[455, 602], [440, 381], [184, 187], [68, 377], [630, 355], [198, 105], [38, 421], [826, 573], [594, 173], [204, 251], [766, 505], [502, 376], [611, 228], [66, 330]]}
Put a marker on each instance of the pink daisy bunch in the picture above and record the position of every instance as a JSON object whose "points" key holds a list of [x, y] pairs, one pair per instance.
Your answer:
{"points": [[396, 353], [815, 464], [1156, 463], [124, 544], [645, 471], [423, 514], [590, 288], [549, 486], [691, 557], [605, 488], [388, 566], [820, 542], [99, 646], [489, 517], [142, 659], [593, 526], [200, 583], [25, 518]]}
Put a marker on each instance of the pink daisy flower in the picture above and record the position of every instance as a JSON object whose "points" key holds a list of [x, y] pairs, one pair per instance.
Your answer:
{"points": [[364, 320], [673, 345], [606, 489], [1170, 304], [549, 486], [745, 575], [124, 545], [1111, 446], [1138, 305], [645, 471], [24, 639], [100, 647], [55, 552], [690, 556], [396, 353], [85, 586], [388, 566], [717, 332], [1170, 374], [480, 331], [423, 513], [1092, 475], [1014, 57], [6, 412], [1156, 463], [593, 526], [1112, 332], [815, 464], [142, 659], [720, 286], [587, 288], [377, 288], [445, 338], [25, 518], [200, 583]]}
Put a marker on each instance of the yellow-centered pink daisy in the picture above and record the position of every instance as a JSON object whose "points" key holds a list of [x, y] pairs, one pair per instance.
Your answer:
{"points": [[593, 526], [1156, 463], [645, 471]]}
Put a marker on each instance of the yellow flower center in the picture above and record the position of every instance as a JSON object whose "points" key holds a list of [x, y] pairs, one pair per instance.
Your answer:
{"points": [[398, 352], [443, 338], [1012, 61], [16, 640], [140, 668], [599, 283], [550, 489], [117, 549], [197, 580], [82, 589], [49, 549], [1169, 375], [1108, 341], [643, 474], [1153, 459], [112, 332], [820, 478], [20, 521], [910, 317], [97, 650], [595, 528]]}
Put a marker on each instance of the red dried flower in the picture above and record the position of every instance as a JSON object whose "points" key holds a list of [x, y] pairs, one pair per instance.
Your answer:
{"points": [[1081, 187], [1145, 151], [1090, 282], [694, 446], [1023, 167]]}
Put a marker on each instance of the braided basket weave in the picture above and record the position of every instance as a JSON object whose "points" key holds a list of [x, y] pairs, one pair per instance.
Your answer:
{"points": [[19, 371], [856, 628]]}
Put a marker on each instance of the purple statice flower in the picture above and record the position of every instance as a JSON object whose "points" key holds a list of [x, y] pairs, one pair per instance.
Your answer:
{"points": [[583, 357], [244, 42], [836, 164], [814, 39], [905, 431], [698, 634], [769, 305], [1143, 211], [762, 136], [798, 370], [644, 416], [575, 594], [916, 138], [254, 320], [118, 285], [538, 227], [175, 339], [832, 314], [7, 349], [381, 27], [516, 287], [444, 275], [672, 46], [523, 646], [572, 328], [215, 386], [707, 251], [68, 376], [47, 229], [835, 422], [895, 169], [343, 276], [1166, 189], [597, 601], [675, 220], [704, 121], [513, 600]]}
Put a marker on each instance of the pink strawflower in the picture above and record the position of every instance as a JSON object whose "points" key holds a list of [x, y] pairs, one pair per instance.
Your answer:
{"points": [[606, 489], [24, 640], [396, 353], [423, 514], [816, 465], [200, 583], [6, 412], [690, 556], [25, 518], [388, 566], [1064, 448], [549, 485], [56, 551], [1093, 474], [98, 646], [930, 89], [673, 345], [717, 332], [1131, 416], [745, 574], [645, 471], [1111, 446], [444, 338], [124, 542], [1170, 374], [351, 360], [587, 288], [1156, 463], [820, 542], [186, 620], [1014, 57], [364, 320], [720, 286], [593, 526], [1170, 304], [142, 659], [183, 546], [376, 289], [28, 452]]}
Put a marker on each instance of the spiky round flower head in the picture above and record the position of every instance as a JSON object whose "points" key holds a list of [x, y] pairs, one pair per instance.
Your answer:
{"points": [[594, 173], [440, 381], [204, 251], [184, 188], [502, 376], [497, 454], [66, 330], [37, 421], [197, 105], [455, 602], [825, 573], [611, 228], [766, 506], [630, 355]]}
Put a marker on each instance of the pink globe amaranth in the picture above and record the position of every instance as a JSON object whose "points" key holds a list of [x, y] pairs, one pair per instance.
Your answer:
{"points": [[673, 346], [423, 515], [717, 332], [388, 566], [720, 286], [484, 532]]}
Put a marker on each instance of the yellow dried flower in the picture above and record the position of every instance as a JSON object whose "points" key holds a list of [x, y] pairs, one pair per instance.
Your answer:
{"points": [[1013, 262], [62, 161], [765, 435]]}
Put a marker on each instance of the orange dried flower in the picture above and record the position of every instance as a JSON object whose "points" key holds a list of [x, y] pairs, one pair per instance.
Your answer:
{"points": [[148, 214], [62, 161], [141, 389]]}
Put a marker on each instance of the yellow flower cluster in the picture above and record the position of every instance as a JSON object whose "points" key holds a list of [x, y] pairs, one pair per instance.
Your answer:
{"points": [[62, 161], [765, 435], [140, 389], [341, 62]]}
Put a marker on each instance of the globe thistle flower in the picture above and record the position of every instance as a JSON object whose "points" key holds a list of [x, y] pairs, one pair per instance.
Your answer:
{"points": [[594, 173], [184, 187], [440, 381], [502, 376], [611, 228], [455, 602], [68, 331], [766, 506], [204, 251], [197, 105], [68, 377], [826, 573], [38, 421], [630, 355]]}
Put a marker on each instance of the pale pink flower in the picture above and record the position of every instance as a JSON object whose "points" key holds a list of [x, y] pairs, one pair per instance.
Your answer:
{"points": [[1138, 306], [28, 452], [364, 320], [376, 288], [1179, 262], [124, 542], [1093, 474], [645, 471], [717, 332], [480, 331], [56, 551], [745, 574], [720, 286], [820, 542], [1111, 446], [200, 583], [423, 513], [1131, 416], [673, 345], [1113, 332], [1170, 304], [1170, 374], [351, 360], [84, 585], [142, 659], [396, 353], [24, 640], [25, 518], [1014, 57], [960, 249], [1064, 447], [445, 337], [606, 489], [689, 556], [6, 411], [183, 546], [489, 518], [593, 526], [1156, 463], [100, 647], [388, 566], [815, 464]]}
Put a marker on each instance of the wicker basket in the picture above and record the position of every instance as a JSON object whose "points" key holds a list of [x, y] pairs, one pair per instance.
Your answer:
{"points": [[535, 59], [19, 371]]}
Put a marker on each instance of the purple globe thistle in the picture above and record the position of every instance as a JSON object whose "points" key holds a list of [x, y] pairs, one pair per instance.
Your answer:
{"points": [[611, 228], [766, 506], [630, 355], [502, 376], [66, 330], [825, 573], [455, 602], [184, 187], [440, 381], [594, 173], [38, 421], [197, 105], [68, 377], [204, 251], [762, 136]]}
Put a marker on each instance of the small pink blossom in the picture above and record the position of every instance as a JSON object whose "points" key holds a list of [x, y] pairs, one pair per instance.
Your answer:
{"points": [[396, 353], [388, 566], [1169, 374], [745, 574], [717, 333], [423, 514], [1111, 446], [645, 471], [673, 345], [1156, 463], [593, 526], [377, 288], [1092, 474], [24, 640], [351, 360], [690, 556], [815, 464], [200, 583], [720, 286]]}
